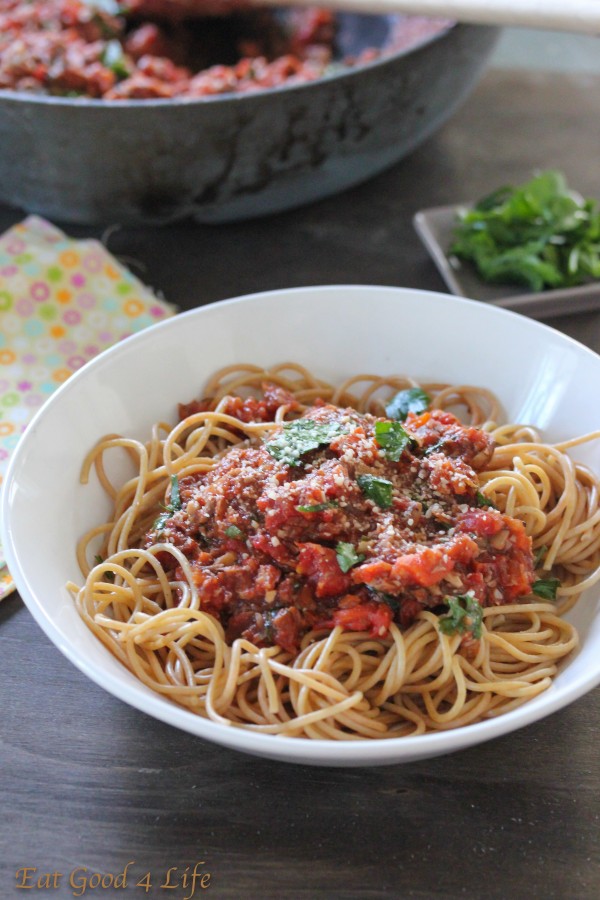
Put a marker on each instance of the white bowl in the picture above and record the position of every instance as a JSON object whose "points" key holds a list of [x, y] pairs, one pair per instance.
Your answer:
{"points": [[541, 376]]}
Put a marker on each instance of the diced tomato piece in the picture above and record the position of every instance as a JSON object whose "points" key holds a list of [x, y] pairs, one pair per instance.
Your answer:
{"points": [[370, 572], [278, 551], [190, 409], [371, 616], [322, 569], [482, 522], [488, 522], [429, 565], [286, 629], [267, 578], [276, 396]]}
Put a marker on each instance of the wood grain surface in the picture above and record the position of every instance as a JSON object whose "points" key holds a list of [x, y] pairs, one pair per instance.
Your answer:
{"points": [[90, 785]]}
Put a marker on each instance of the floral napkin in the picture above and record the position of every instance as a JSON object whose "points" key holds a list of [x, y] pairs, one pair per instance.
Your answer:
{"points": [[62, 301]]}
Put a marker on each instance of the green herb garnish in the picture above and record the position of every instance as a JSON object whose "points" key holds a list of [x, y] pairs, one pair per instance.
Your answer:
{"points": [[114, 58], [232, 531], [414, 400], [540, 234], [435, 448], [347, 556], [546, 588], [175, 503], [171, 507], [317, 507], [465, 615], [379, 490], [482, 501], [539, 556], [392, 437], [110, 576], [299, 437], [382, 597]]}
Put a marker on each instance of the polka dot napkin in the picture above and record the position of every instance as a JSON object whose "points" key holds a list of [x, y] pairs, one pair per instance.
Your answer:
{"points": [[62, 301]]}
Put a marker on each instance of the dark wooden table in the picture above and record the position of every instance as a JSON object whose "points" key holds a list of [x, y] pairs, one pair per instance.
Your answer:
{"points": [[89, 785]]}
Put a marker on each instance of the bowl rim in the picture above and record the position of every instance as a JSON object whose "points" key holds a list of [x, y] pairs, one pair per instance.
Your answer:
{"points": [[232, 97], [288, 749]]}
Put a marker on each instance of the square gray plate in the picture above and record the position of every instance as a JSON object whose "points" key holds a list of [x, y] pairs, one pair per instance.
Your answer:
{"points": [[435, 226]]}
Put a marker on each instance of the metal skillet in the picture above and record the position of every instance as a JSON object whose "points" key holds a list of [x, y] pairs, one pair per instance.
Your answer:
{"points": [[236, 156]]}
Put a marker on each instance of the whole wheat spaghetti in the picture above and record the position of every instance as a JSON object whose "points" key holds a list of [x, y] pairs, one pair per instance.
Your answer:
{"points": [[374, 570]]}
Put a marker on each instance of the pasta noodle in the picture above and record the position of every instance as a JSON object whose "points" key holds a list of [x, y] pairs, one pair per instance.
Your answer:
{"points": [[141, 600]]}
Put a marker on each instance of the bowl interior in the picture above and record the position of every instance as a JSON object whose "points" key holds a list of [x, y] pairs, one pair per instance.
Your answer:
{"points": [[541, 377]]}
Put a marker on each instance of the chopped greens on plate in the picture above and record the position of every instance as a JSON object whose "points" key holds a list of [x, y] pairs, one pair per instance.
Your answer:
{"points": [[541, 234]]}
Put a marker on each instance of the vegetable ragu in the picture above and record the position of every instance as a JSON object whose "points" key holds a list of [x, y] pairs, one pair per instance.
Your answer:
{"points": [[540, 234], [341, 518], [159, 49]]}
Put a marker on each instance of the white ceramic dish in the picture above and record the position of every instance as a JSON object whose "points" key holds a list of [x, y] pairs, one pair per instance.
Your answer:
{"points": [[540, 375]]}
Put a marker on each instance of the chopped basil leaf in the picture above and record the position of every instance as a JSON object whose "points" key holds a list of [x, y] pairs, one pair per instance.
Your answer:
{"points": [[175, 503], [389, 600], [414, 400], [172, 507], [540, 233], [317, 507], [465, 615], [481, 500], [392, 437], [347, 556], [434, 448], [539, 556], [113, 57], [546, 588], [379, 490], [299, 437], [110, 576], [161, 521], [232, 531]]}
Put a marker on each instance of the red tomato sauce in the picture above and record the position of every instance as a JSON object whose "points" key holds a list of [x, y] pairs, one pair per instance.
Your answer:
{"points": [[343, 534], [145, 49]]}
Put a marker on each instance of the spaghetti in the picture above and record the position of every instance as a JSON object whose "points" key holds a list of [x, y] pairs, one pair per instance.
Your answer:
{"points": [[363, 651]]}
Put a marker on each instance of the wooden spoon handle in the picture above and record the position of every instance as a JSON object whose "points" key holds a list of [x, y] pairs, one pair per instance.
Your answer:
{"points": [[582, 16]]}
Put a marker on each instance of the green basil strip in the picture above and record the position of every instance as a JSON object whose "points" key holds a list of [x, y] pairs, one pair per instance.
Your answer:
{"points": [[414, 400], [546, 588], [465, 615], [392, 438], [299, 437], [379, 490], [347, 556]]}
